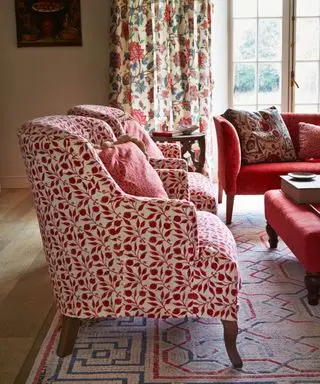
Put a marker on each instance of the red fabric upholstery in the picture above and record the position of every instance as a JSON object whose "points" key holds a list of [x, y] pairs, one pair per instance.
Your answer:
{"points": [[229, 153], [292, 121], [235, 179], [309, 140], [297, 225], [256, 179]]}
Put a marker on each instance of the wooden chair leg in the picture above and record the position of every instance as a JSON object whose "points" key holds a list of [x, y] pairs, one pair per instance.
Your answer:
{"points": [[230, 333], [230, 201], [220, 192], [68, 335], [273, 236]]}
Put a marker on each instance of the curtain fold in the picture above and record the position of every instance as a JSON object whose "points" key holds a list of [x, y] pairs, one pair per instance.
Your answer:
{"points": [[160, 61]]}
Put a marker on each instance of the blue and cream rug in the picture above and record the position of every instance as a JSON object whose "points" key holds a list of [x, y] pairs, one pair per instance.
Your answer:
{"points": [[279, 338]]}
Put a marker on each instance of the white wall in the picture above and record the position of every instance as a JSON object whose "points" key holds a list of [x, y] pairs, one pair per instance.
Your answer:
{"points": [[220, 72], [220, 56], [42, 81]]}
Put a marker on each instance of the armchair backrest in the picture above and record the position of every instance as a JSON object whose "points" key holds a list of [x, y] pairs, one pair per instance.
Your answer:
{"points": [[120, 122], [102, 246], [227, 134]]}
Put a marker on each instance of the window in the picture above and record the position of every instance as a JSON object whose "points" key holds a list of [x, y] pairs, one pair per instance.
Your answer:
{"points": [[275, 55]]}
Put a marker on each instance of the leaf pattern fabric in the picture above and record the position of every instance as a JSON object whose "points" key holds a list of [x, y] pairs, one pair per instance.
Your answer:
{"points": [[203, 193], [112, 254]]}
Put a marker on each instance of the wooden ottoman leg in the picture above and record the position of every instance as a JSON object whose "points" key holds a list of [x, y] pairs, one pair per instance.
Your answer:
{"points": [[273, 237], [68, 335], [230, 334], [312, 282]]}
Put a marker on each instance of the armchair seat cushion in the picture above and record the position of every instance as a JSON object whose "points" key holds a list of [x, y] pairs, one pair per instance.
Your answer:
{"points": [[259, 178], [203, 193], [217, 275]]}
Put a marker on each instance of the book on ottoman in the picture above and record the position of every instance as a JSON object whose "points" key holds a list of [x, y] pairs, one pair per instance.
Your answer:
{"points": [[301, 191]]}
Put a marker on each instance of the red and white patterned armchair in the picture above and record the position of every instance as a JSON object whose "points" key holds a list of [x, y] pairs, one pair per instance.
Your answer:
{"points": [[113, 254], [202, 192]]}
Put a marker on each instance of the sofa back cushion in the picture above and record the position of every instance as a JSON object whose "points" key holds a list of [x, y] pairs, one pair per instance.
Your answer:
{"points": [[292, 121], [309, 140], [263, 135]]}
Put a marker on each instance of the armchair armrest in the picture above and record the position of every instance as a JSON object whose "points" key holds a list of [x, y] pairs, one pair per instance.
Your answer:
{"points": [[175, 182], [172, 150], [169, 163], [229, 154]]}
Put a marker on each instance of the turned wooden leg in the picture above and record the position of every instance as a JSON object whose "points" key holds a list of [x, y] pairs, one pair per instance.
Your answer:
{"points": [[273, 237], [230, 333], [68, 335], [312, 282], [220, 192], [230, 201]]}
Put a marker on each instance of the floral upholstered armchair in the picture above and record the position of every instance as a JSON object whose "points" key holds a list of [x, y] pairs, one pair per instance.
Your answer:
{"points": [[202, 192], [113, 254]]}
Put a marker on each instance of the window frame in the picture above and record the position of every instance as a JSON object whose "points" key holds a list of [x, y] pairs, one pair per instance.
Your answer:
{"points": [[288, 63]]}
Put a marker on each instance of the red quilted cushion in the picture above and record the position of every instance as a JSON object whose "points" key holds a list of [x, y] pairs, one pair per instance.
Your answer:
{"points": [[133, 128], [130, 169], [309, 140]]}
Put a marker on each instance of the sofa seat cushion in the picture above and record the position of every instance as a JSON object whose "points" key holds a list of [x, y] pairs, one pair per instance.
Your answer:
{"points": [[216, 273], [203, 193], [256, 179]]}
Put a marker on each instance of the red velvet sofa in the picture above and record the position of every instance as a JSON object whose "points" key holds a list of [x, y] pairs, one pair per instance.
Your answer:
{"points": [[255, 179]]}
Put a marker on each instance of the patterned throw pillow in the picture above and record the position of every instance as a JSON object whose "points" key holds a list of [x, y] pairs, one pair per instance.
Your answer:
{"points": [[263, 135], [131, 170], [309, 141]]}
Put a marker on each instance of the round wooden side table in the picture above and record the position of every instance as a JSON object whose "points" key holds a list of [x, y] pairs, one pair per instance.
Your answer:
{"points": [[187, 141]]}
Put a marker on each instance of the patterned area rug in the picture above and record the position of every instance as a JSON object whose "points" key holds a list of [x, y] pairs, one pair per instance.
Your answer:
{"points": [[279, 338]]}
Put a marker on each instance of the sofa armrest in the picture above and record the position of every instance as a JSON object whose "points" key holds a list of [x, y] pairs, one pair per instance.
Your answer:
{"points": [[229, 154]]}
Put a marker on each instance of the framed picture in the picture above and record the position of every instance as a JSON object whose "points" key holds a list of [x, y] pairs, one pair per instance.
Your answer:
{"points": [[45, 23]]}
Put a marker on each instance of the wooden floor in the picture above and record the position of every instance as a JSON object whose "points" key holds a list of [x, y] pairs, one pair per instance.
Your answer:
{"points": [[26, 302]]}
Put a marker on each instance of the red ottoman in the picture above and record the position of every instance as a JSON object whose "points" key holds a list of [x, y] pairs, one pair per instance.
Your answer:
{"points": [[299, 227]]}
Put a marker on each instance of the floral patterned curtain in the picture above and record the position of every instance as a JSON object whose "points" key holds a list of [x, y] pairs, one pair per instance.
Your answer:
{"points": [[161, 62]]}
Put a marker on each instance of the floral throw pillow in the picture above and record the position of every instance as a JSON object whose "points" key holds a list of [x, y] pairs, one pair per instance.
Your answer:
{"points": [[263, 135]]}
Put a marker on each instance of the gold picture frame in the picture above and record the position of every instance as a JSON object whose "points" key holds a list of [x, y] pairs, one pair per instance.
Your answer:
{"points": [[46, 23]]}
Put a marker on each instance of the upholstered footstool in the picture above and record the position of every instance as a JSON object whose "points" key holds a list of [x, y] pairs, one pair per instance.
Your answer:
{"points": [[299, 227]]}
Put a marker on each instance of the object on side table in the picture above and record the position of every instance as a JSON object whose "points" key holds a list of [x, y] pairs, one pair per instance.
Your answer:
{"points": [[162, 133], [301, 191]]}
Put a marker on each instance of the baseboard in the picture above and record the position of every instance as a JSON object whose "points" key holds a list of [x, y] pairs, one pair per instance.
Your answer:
{"points": [[14, 182]]}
